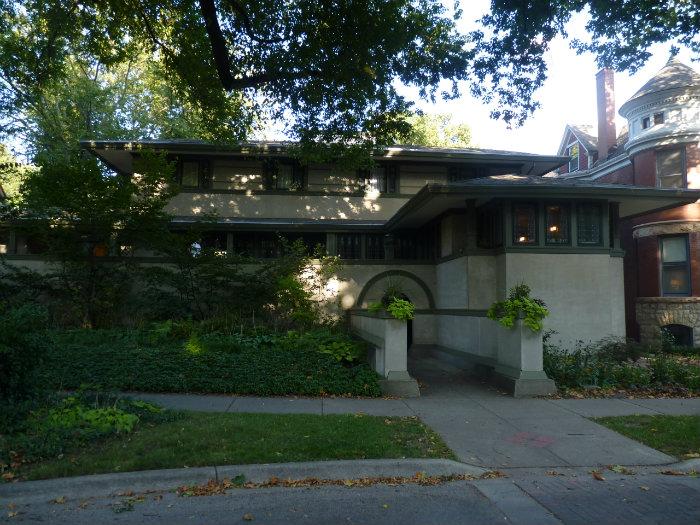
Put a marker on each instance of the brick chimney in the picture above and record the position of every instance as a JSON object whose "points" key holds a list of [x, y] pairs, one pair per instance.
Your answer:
{"points": [[607, 135]]}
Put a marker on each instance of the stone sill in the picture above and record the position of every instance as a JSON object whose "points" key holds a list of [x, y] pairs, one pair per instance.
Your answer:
{"points": [[654, 300]]}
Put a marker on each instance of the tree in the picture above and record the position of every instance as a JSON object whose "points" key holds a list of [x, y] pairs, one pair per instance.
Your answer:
{"points": [[438, 130], [509, 48], [12, 173], [325, 68], [91, 224]]}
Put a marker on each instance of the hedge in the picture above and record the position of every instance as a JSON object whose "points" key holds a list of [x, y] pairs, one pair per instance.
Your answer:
{"points": [[110, 361]]}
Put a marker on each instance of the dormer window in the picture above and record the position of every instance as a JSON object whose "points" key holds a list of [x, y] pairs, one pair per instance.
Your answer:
{"points": [[573, 152]]}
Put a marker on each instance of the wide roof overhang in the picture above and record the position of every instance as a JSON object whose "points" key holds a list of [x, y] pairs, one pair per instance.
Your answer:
{"points": [[436, 199], [118, 154]]}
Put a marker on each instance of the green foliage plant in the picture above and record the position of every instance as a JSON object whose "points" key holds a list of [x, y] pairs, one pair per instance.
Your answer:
{"points": [[401, 309], [519, 305]]}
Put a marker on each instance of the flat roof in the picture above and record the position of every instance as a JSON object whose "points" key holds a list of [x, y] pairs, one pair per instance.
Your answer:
{"points": [[118, 153], [435, 199]]}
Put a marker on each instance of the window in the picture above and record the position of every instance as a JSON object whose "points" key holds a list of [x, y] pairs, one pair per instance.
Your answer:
{"points": [[194, 174], [573, 152], [524, 224], [557, 224], [589, 219], [646, 122], [262, 245], [418, 245], [349, 245], [670, 168], [284, 175], [383, 179], [215, 241], [675, 265], [312, 241], [374, 246], [489, 228], [658, 118]]}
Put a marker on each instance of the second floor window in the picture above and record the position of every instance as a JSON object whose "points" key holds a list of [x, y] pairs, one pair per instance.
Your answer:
{"points": [[670, 168], [382, 178], [675, 265], [285, 176], [194, 174]]}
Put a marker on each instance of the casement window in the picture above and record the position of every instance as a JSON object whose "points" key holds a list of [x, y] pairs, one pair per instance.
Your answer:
{"points": [[349, 245], [557, 231], [382, 178], [461, 173], [415, 245], [312, 241], [573, 152], [670, 168], [281, 175], [524, 224], [589, 224], [374, 246], [261, 245], [194, 174], [675, 265], [489, 228]]}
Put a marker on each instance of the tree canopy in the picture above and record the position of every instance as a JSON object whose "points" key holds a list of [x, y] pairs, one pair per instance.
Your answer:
{"points": [[437, 130], [509, 62], [327, 69]]}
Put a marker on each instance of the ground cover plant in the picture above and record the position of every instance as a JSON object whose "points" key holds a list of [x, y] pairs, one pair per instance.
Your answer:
{"points": [[197, 439], [191, 357], [611, 365], [677, 436]]}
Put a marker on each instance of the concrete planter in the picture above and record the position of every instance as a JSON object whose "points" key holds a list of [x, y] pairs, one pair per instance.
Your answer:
{"points": [[388, 356], [519, 362]]}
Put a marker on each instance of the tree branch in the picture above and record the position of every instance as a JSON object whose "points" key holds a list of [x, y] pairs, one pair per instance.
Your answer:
{"points": [[218, 44]]}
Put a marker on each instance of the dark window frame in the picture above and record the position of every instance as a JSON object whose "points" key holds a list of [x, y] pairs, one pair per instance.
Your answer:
{"points": [[203, 172], [675, 265], [387, 181], [646, 122], [601, 217], [577, 158], [566, 206], [356, 253], [684, 165], [299, 180], [375, 246], [659, 118], [535, 229], [489, 227]]}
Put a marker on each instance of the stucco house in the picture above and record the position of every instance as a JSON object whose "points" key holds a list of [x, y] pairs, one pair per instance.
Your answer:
{"points": [[457, 227], [658, 147]]}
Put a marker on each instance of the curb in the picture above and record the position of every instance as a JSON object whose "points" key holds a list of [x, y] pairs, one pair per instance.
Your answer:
{"points": [[101, 485]]}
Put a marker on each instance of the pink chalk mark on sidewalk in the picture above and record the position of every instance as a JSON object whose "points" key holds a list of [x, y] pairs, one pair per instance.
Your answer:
{"points": [[530, 440]]}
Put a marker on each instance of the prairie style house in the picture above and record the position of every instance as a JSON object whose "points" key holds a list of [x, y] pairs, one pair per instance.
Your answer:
{"points": [[657, 148]]}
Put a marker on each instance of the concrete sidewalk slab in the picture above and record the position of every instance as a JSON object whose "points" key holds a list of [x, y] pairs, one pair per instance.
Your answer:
{"points": [[670, 406], [194, 402], [277, 405], [603, 407], [371, 407]]}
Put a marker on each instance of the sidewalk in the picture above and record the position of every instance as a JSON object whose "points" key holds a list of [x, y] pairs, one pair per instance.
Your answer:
{"points": [[481, 425]]}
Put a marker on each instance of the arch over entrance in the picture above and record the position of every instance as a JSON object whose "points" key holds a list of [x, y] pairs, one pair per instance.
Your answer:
{"points": [[397, 273]]}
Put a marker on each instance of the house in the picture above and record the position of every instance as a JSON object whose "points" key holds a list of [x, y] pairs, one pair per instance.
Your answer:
{"points": [[658, 148], [456, 227]]}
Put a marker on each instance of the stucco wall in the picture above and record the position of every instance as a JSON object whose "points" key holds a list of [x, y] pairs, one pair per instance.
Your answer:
{"points": [[354, 277], [472, 335], [584, 292], [261, 206], [451, 289]]}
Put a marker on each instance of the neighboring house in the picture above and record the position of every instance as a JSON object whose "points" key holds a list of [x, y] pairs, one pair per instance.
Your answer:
{"points": [[457, 227], [662, 261]]}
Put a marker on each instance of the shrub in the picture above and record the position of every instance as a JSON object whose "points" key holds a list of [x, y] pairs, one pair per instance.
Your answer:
{"points": [[518, 305], [257, 364], [22, 345]]}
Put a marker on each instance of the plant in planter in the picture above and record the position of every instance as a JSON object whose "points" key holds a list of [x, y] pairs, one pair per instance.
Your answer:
{"points": [[519, 305], [395, 302]]}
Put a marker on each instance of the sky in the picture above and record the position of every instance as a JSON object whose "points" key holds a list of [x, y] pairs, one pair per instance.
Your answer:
{"points": [[567, 97]]}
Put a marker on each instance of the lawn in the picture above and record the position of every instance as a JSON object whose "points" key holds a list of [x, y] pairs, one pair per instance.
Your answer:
{"points": [[192, 439], [677, 436]]}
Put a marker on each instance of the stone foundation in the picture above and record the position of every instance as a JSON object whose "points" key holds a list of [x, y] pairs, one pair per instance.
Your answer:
{"points": [[656, 312]]}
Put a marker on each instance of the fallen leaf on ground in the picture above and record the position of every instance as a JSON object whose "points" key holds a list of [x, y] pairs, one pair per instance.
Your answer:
{"points": [[597, 475], [248, 516], [59, 501], [12, 514], [553, 473], [621, 470], [644, 487], [673, 473]]}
